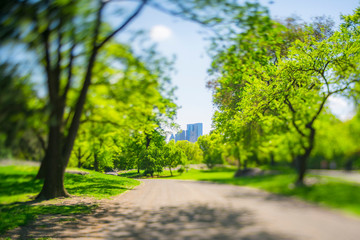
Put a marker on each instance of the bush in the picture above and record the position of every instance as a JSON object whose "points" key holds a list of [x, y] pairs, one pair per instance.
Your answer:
{"points": [[181, 169]]}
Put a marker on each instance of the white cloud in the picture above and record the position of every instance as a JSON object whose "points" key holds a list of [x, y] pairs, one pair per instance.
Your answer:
{"points": [[341, 107], [160, 33]]}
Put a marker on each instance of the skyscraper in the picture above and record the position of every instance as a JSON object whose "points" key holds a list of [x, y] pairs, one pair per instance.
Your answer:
{"points": [[180, 136], [194, 131]]}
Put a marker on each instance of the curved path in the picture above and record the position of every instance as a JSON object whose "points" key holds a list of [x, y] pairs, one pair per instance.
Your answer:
{"points": [[353, 176], [174, 209]]}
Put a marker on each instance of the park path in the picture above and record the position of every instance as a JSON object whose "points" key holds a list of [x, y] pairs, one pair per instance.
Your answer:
{"points": [[353, 176], [175, 209]]}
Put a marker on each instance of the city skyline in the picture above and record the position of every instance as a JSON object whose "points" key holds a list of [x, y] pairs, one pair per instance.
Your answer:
{"points": [[192, 133]]}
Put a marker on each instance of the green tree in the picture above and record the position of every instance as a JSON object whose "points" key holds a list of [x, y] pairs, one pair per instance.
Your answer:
{"points": [[212, 149], [192, 151], [262, 77], [173, 156], [21, 131]]}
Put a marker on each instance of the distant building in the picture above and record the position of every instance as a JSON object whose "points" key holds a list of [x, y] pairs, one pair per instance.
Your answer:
{"points": [[180, 136], [192, 133], [172, 137]]}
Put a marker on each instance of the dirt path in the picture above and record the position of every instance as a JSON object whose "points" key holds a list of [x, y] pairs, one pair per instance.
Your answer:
{"points": [[172, 209]]}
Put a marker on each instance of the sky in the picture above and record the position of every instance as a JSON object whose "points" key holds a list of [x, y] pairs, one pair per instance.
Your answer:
{"points": [[175, 36]]}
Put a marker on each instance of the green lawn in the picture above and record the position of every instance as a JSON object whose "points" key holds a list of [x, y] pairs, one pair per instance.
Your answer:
{"points": [[17, 187], [326, 191]]}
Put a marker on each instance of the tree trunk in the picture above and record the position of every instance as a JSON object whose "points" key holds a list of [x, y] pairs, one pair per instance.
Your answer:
{"points": [[96, 162], [79, 157], [42, 169], [53, 167], [170, 171], [239, 163], [302, 159], [272, 160]]}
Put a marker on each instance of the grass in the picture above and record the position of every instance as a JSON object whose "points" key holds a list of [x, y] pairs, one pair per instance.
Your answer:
{"points": [[18, 187], [327, 191]]}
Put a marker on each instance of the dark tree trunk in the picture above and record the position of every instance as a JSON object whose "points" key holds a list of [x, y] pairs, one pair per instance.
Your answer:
{"points": [[96, 162], [41, 172], [272, 160], [170, 171], [54, 168], [79, 156], [302, 159]]}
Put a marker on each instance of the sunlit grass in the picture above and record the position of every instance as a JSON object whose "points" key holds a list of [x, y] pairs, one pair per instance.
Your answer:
{"points": [[330, 192], [18, 187]]}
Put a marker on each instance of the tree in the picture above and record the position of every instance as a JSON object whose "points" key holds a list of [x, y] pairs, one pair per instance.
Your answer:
{"points": [[21, 131], [212, 149], [192, 151], [262, 77], [173, 156]]}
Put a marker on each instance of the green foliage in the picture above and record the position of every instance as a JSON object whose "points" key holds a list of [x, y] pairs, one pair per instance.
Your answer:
{"points": [[21, 131], [212, 149], [337, 143], [153, 157], [173, 156], [125, 104], [272, 82], [192, 151], [181, 170]]}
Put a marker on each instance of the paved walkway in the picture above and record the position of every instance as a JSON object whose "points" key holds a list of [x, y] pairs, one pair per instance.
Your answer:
{"points": [[174, 209], [353, 176]]}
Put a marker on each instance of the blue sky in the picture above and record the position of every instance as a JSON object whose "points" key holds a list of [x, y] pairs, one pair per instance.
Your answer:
{"points": [[182, 38]]}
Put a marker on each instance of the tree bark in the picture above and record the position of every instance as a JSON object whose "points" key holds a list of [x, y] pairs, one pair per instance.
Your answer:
{"points": [[303, 159], [42, 169], [53, 167], [272, 160], [96, 162]]}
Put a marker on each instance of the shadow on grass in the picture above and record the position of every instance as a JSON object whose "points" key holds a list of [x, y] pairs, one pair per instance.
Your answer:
{"points": [[19, 214], [131, 175], [14, 184]]}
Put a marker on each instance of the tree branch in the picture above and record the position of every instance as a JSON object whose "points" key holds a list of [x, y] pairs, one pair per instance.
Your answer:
{"points": [[122, 26], [287, 102], [69, 78]]}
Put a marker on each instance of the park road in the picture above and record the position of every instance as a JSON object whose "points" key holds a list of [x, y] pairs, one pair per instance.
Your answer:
{"points": [[175, 209]]}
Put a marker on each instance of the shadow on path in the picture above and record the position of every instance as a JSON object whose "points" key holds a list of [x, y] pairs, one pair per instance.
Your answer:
{"points": [[117, 221]]}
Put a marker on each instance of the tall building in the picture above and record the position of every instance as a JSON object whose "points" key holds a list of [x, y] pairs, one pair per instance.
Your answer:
{"points": [[180, 136], [172, 137], [194, 131]]}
